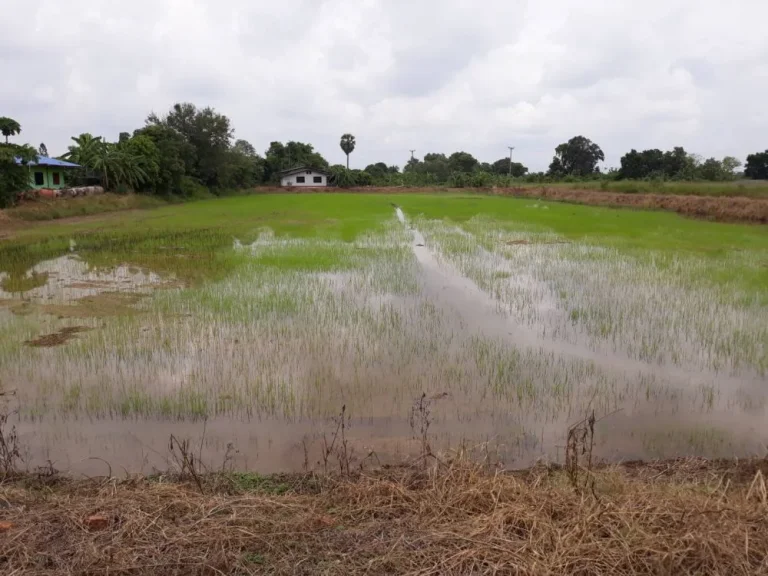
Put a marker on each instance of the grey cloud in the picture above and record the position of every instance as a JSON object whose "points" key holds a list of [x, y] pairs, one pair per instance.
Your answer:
{"points": [[432, 75]]}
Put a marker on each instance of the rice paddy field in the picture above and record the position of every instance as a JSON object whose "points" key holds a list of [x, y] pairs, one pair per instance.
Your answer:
{"points": [[247, 325]]}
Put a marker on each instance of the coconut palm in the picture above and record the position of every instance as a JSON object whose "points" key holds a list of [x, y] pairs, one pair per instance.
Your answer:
{"points": [[347, 145], [9, 127]]}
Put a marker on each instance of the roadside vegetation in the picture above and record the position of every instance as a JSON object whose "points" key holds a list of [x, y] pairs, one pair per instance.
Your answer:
{"points": [[191, 152]]}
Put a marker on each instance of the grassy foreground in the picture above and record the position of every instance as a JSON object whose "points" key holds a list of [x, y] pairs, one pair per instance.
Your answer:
{"points": [[682, 517]]}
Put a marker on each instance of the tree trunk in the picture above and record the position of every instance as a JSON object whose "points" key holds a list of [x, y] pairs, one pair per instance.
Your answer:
{"points": [[347, 161]]}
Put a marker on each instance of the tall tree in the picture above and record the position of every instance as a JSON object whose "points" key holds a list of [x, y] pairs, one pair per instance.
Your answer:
{"points": [[9, 127], [712, 169], [501, 167], [730, 165], [435, 167], [208, 132], [577, 157], [14, 177], [757, 166], [43, 150], [678, 163], [636, 165], [244, 167], [281, 156], [462, 162], [174, 154], [244, 147], [347, 144]]}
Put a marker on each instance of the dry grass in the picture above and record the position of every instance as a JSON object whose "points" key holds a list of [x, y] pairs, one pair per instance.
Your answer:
{"points": [[721, 208], [686, 517]]}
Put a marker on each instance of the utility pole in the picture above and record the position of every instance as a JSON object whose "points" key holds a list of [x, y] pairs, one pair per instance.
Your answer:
{"points": [[412, 151], [511, 149]]}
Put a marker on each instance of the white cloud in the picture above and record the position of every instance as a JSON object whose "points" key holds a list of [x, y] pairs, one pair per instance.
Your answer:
{"points": [[399, 74]]}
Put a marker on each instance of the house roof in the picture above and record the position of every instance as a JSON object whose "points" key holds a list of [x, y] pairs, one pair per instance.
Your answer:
{"points": [[296, 169], [53, 162]]}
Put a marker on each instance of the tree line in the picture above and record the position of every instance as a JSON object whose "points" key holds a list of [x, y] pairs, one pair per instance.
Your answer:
{"points": [[190, 151]]}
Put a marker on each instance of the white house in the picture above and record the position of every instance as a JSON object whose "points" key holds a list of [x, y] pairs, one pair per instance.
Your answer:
{"points": [[303, 176]]}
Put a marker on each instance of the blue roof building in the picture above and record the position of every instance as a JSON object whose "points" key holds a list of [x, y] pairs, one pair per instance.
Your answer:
{"points": [[48, 172]]}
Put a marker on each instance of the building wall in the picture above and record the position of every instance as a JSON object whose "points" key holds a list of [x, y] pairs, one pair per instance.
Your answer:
{"points": [[47, 178], [309, 179]]}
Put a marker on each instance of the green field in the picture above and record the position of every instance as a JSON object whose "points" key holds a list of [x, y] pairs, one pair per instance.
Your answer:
{"points": [[251, 321]]}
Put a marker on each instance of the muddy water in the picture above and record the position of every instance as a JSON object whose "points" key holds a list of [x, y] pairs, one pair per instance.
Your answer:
{"points": [[69, 278], [666, 421], [634, 429]]}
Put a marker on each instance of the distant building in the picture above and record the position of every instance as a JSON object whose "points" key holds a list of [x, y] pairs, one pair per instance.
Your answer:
{"points": [[48, 173], [303, 176]]}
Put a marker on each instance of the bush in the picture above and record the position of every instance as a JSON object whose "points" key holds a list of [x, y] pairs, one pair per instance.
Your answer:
{"points": [[481, 179], [459, 180], [191, 188]]}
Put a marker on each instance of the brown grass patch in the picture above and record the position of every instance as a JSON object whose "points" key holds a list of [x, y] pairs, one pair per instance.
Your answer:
{"points": [[461, 519], [727, 209], [57, 338]]}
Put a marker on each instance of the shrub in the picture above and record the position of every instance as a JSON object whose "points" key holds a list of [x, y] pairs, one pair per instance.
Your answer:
{"points": [[191, 188]]}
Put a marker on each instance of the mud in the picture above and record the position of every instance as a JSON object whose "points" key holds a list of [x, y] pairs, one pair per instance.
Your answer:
{"points": [[69, 278], [57, 338]]}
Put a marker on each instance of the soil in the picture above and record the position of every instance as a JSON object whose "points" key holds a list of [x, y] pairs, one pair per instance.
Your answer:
{"points": [[98, 306], [57, 338]]}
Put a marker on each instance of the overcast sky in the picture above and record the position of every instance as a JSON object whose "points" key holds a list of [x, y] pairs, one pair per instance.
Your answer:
{"points": [[434, 75]]}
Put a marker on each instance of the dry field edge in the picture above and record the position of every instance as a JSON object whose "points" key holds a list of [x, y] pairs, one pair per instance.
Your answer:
{"points": [[688, 516], [731, 208]]}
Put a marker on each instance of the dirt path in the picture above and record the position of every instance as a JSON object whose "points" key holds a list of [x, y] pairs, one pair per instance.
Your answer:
{"points": [[480, 313]]}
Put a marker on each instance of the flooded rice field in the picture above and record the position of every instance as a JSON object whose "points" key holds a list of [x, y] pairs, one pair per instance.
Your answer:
{"points": [[510, 333]]}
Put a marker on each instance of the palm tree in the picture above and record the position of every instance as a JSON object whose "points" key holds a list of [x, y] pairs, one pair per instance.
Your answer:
{"points": [[125, 168], [347, 145], [109, 161], [84, 150], [9, 127]]}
